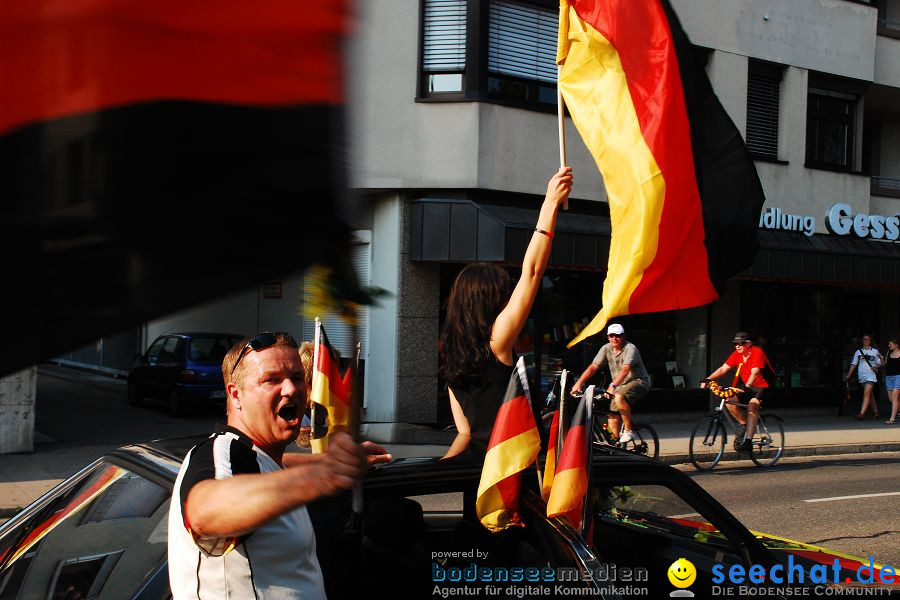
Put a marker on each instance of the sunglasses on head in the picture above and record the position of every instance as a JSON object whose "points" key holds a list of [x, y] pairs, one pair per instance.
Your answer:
{"points": [[261, 341]]}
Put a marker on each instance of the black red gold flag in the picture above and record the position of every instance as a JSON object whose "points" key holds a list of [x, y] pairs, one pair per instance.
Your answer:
{"points": [[157, 155], [684, 195], [514, 445]]}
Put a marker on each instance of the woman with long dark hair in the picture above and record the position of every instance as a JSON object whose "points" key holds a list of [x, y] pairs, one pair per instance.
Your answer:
{"points": [[484, 317]]}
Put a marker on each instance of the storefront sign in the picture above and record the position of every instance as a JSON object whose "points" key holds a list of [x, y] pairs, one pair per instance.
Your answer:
{"points": [[840, 222], [774, 218]]}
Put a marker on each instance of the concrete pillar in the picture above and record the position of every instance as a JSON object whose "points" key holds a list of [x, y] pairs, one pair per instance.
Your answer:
{"points": [[418, 313], [17, 395], [381, 367]]}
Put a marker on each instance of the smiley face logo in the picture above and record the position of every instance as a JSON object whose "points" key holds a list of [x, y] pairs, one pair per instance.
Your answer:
{"points": [[682, 573]]}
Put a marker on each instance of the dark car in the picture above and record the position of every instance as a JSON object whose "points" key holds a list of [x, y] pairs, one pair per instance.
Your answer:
{"points": [[102, 533], [180, 369]]}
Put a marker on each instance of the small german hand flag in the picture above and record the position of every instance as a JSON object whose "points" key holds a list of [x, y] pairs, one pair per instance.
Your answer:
{"points": [[330, 393], [514, 445], [570, 482], [550, 461]]}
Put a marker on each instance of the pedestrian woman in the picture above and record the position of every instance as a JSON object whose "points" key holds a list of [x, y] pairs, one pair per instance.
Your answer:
{"points": [[866, 362], [892, 377], [484, 317]]}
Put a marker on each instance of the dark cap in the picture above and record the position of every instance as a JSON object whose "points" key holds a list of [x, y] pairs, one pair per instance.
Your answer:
{"points": [[740, 337]]}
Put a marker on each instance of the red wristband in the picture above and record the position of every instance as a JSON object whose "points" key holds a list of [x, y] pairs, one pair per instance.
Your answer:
{"points": [[549, 234]]}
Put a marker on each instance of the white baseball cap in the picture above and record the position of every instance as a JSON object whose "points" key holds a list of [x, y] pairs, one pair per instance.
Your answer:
{"points": [[615, 328]]}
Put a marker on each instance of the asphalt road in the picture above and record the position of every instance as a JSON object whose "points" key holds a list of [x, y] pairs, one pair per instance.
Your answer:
{"points": [[810, 500], [79, 408], [83, 409]]}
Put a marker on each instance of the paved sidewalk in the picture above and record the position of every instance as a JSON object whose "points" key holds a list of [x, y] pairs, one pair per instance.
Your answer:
{"points": [[24, 477]]}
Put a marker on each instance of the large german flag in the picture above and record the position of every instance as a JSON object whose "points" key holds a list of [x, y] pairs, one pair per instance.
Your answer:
{"points": [[155, 155], [684, 195], [514, 444], [571, 481], [330, 392]]}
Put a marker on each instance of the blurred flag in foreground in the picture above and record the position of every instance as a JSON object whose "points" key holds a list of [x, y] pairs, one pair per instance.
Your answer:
{"points": [[514, 445], [155, 155], [570, 482], [330, 392], [684, 195]]}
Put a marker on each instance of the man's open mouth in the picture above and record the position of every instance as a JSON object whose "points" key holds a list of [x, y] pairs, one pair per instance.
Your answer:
{"points": [[289, 412]]}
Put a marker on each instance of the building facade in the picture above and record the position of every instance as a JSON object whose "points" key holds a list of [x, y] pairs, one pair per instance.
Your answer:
{"points": [[452, 136]]}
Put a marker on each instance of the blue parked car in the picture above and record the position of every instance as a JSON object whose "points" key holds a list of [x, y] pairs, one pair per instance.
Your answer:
{"points": [[182, 368]]}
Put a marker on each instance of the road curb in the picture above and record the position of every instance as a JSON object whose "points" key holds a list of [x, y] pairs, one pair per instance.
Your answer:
{"points": [[825, 450]]}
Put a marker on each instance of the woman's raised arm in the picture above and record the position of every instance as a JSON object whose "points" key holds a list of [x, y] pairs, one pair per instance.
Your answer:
{"points": [[511, 319]]}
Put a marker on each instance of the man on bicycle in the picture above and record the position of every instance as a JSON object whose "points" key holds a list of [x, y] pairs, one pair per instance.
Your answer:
{"points": [[630, 380], [750, 361]]}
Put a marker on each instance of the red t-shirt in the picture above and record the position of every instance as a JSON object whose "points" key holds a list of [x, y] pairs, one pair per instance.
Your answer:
{"points": [[756, 359]]}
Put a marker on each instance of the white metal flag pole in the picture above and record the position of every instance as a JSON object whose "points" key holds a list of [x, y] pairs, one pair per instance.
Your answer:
{"points": [[312, 412], [561, 118]]}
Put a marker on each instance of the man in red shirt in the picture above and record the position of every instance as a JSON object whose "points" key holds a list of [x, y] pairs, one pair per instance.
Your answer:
{"points": [[749, 361]]}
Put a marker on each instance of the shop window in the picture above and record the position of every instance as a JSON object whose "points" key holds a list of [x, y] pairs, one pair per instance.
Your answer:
{"points": [[763, 85], [807, 333], [672, 344]]}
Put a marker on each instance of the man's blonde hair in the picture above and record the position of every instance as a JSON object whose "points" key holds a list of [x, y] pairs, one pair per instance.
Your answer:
{"points": [[307, 354], [231, 357]]}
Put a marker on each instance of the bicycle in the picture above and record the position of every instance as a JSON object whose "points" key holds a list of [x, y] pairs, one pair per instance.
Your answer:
{"points": [[644, 442], [708, 439]]}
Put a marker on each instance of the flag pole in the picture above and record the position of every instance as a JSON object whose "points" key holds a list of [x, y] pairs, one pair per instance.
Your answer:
{"points": [[356, 409], [589, 426], [561, 120], [312, 409], [561, 430]]}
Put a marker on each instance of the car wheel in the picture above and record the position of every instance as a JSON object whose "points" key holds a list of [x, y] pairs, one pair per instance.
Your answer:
{"points": [[176, 405], [134, 393]]}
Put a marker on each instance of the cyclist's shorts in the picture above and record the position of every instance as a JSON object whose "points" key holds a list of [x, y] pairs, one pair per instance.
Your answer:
{"points": [[755, 392], [634, 390]]}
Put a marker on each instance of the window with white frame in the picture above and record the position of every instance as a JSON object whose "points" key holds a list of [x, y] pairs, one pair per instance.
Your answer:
{"points": [[444, 45]]}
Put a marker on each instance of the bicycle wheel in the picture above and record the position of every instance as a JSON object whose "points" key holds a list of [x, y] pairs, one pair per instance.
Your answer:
{"points": [[768, 442], [707, 443], [645, 441]]}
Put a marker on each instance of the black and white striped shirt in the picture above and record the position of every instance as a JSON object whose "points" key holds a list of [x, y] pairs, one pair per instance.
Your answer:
{"points": [[275, 561]]}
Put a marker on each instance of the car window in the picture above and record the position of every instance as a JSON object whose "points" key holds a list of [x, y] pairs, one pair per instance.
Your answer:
{"points": [[210, 350], [649, 526], [156, 347], [170, 349], [655, 507], [102, 538]]}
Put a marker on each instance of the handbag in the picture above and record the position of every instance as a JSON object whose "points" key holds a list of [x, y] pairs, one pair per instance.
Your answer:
{"points": [[865, 357]]}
